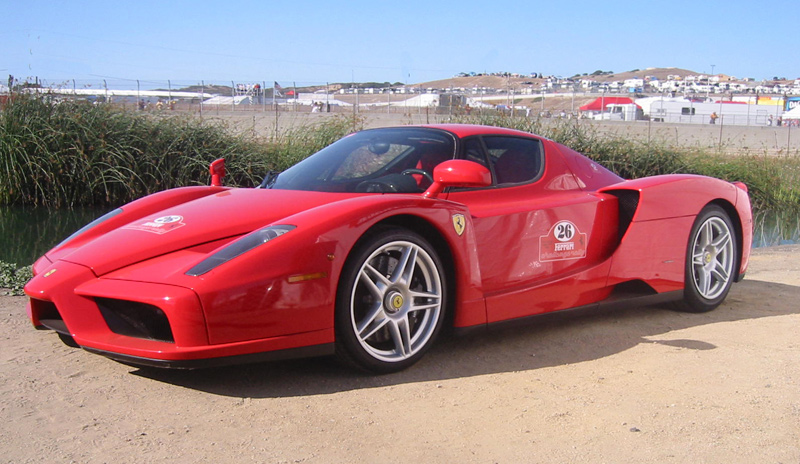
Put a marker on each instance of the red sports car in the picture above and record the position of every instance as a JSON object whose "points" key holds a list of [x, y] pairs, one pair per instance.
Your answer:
{"points": [[370, 247]]}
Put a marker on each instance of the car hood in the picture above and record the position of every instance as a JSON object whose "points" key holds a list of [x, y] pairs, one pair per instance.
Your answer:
{"points": [[219, 216]]}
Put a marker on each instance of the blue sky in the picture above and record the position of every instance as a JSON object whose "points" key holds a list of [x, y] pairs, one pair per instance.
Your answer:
{"points": [[313, 42]]}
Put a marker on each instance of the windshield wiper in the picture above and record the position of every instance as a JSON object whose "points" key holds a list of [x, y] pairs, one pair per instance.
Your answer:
{"points": [[269, 179]]}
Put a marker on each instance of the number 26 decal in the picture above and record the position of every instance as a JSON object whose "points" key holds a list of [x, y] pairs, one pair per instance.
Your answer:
{"points": [[565, 230]]}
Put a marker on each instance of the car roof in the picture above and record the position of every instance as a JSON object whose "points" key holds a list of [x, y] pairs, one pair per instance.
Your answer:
{"points": [[466, 130]]}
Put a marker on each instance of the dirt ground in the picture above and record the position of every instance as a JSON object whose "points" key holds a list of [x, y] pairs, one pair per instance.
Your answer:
{"points": [[644, 385]]}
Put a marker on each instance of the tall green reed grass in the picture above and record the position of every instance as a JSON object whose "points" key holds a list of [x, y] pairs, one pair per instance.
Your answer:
{"points": [[67, 153]]}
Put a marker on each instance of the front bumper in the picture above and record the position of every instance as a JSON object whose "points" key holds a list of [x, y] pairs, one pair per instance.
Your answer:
{"points": [[65, 297]]}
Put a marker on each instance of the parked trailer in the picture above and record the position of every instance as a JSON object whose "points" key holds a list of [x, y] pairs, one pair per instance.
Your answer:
{"points": [[731, 113]]}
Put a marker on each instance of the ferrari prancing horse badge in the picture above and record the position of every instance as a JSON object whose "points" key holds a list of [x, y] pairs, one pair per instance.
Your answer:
{"points": [[459, 223]]}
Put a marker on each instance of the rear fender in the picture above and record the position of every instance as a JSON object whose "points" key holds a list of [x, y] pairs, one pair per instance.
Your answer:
{"points": [[674, 195], [660, 225]]}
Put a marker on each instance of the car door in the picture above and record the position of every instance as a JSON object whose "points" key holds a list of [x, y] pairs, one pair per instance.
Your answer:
{"points": [[543, 242]]}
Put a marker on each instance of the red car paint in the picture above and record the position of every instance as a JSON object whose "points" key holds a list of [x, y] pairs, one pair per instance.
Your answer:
{"points": [[507, 260]]}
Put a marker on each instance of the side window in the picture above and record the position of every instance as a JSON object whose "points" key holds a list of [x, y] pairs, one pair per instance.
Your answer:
{"points": [[473, 151], [514, 160]]}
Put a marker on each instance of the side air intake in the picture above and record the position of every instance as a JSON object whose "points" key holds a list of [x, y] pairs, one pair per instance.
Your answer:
{"points": [[628, 202]]}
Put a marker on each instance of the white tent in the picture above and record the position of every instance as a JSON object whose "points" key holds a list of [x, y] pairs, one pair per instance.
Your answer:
{"points": [[794, 113], [222, 100], [426, 99]]}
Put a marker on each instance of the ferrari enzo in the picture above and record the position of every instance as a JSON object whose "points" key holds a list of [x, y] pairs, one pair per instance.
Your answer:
{"points": [[373, 246]]}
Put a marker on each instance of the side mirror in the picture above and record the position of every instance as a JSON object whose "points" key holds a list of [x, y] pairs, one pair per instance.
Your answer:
{"points": [[217, 170], [458, 173]]}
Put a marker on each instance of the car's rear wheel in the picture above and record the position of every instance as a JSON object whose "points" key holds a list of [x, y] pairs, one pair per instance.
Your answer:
{"points": [[710, 261], [391, 302]]}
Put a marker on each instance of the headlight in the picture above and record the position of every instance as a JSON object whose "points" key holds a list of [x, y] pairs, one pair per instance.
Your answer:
{"points": [[239, 247]]}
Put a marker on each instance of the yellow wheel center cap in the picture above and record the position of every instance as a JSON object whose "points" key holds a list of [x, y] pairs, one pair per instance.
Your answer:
{"points": [[707, 258], [397, 301], [393, 302]]}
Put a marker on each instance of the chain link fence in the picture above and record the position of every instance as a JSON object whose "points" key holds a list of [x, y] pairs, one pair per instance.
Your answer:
{"points": [[218, 97]]}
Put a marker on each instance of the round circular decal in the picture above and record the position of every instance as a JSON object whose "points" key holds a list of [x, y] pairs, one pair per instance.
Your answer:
{"points": [[564, 231], [167, 219]]}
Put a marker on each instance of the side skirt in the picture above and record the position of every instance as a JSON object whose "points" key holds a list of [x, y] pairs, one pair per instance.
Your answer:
{"points": [[615, 302]]}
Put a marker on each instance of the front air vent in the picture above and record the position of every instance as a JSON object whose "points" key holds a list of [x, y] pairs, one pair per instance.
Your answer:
{"points": [[48, 316], [134, 319]]}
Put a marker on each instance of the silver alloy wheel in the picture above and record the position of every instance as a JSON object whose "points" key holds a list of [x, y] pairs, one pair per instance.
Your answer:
{"points": [[712, 258], [396, 301]]}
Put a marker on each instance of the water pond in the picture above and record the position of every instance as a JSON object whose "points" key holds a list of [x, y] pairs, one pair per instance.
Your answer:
{"points": [[26, 233]]}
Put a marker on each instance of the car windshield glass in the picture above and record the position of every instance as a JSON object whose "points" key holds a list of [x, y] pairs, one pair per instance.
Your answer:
{"points": [[387, 160]]}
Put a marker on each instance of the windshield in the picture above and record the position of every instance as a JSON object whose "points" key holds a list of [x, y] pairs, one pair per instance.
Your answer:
{"points": [[390, 160]]}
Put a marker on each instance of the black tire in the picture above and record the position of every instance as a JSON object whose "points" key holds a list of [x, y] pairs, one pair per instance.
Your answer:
{"points": [[711, 259], [390, 302]]}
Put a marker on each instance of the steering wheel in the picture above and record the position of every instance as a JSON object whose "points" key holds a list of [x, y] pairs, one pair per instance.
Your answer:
{"points": [[421, 172]]}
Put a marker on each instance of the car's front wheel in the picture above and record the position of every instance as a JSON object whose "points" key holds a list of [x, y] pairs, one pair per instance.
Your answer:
{"points": [[390, 303], [710, 261]]}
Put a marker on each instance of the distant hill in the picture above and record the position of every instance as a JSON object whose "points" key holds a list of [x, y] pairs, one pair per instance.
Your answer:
{"points": [[469, 82], [499, 82], [658, 73]]}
